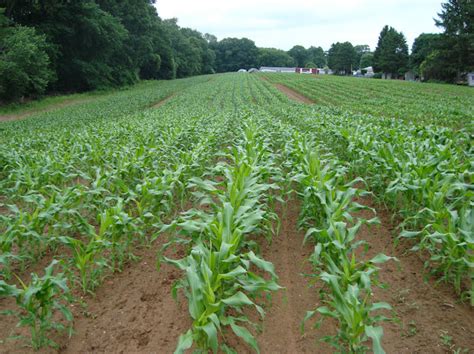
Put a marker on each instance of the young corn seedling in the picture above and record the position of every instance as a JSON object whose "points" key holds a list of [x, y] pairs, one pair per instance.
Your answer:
{"points": [[352, 309], [88, 259], [218, 269], [38, 302], [328, 204]]}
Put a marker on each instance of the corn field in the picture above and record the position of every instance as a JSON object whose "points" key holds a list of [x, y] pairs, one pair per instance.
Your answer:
{"points": [[203, 182]]}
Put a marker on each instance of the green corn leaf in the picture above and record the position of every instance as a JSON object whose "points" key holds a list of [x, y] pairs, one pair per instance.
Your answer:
{"points": [[380, 306], [233, 273], [244, 333], [260, 263], [409, 234], [185, 342], [324, 310], [376, 334], [308, 316], [382, 258], [211, 333], [237, 300]]}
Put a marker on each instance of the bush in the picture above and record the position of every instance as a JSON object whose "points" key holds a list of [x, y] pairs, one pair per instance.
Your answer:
{"points": [[24, 65]]}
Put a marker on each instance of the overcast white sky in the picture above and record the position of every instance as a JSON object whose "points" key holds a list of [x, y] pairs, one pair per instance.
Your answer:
{"points": [[282, 24]]}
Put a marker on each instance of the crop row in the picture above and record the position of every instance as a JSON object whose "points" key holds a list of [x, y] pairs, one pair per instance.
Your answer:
{"points": [[424, 173], [411, 102]]}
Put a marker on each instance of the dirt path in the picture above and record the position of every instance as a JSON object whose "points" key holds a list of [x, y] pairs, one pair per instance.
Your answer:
{"points": [[291, 94], [52, 107], [163, 101], [133, 312], [281, 326], [427, 313]]}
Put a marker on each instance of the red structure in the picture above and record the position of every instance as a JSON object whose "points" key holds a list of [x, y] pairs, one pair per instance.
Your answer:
{"points": [[306, 71]]}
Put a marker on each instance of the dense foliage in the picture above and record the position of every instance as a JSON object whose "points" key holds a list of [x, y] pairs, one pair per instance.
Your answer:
{"points": [[391, 54], [341, 57], [274, 57], [233, 54], [95, 44], [456, 48], [24, 64], [447, 56]]}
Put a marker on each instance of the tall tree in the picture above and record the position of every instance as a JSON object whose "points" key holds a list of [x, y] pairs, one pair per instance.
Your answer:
{"points": [[457, 44], [299, 54], [317, 56], [147, 44], [391, 54], [366, 60], [274, 57], [191, 50], [360, 50], [423, 46], [24, 63], [87, 41], [341, 57], [233, 54]]}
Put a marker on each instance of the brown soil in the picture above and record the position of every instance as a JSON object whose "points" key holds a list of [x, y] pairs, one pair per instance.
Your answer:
{"points": [[282, 324], [291, 94], [133, 312], [162, 102], [26, 114], [424, 311]]}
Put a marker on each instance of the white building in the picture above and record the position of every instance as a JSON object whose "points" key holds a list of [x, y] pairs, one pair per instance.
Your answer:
{"points": [[470, 79], [276, 69]]}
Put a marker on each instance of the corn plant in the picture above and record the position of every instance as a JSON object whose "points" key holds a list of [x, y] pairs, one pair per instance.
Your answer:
{"points": [[88, 259], [38, 302], [327, 207], [218, 270]]}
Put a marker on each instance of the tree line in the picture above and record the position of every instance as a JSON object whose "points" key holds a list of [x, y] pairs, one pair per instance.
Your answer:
{"points": [[70, 46]]}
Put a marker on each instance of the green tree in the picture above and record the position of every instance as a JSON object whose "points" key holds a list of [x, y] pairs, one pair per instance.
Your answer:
{"points": [[423, 46], [24, 64], [391, 54], [274, 57], [147, 46], [360, 50], [457, 41], [233, 54], [367, 59], [317, 56], [88, 43], [434, 67], [341, 58], [300, 55]]}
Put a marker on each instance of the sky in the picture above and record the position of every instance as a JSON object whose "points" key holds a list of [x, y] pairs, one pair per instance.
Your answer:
{"points": [[283, 24]]}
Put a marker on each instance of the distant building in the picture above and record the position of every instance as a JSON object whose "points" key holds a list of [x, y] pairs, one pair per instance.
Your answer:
{"points": [[307, 70], [277, 69], [470, 79], [325, 71], [253, 70], [242, 71], [410, 76], [366, 72]]}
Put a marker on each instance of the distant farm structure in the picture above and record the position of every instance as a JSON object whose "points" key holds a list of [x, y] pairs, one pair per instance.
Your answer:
{"points": [[287, 70]]}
